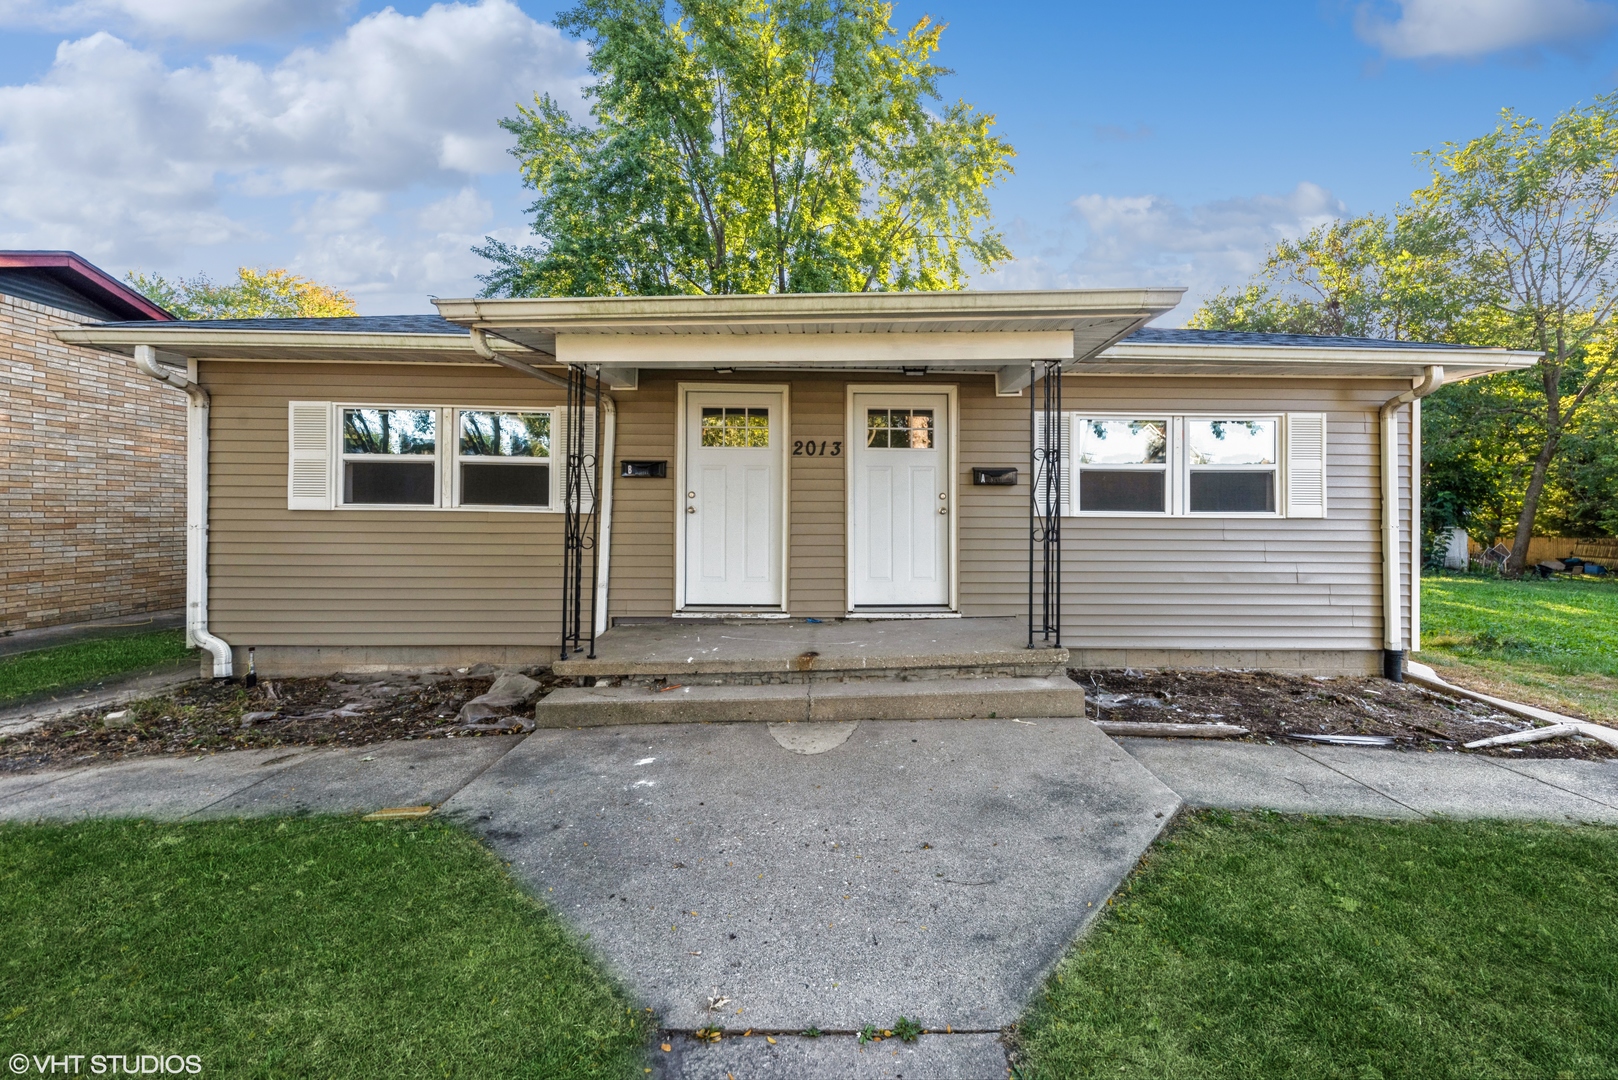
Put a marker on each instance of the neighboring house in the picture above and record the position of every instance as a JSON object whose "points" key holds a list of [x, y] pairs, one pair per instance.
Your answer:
{"points": [[398, 491], [91, 451]]}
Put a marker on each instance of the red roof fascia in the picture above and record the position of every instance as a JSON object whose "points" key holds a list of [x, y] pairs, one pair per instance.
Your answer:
{"points": [[93, 279]]}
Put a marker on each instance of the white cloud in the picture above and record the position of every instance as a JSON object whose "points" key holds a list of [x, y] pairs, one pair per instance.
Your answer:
{"points": [[1457, 29], [1136, 240], [118, 155], [194, 20]]}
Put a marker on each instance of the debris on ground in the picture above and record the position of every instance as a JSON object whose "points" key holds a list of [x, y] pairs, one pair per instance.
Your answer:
{"points": [[337, 711], [1276, 707]]}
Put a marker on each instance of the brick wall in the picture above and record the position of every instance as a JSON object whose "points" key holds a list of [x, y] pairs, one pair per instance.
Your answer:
{"points": [[92, 479]]}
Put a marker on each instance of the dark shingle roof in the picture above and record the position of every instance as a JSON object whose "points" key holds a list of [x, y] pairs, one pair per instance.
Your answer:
{"points": [[1153, 335], [350, 324]]}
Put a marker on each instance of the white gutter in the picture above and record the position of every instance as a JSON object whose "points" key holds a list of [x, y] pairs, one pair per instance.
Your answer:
{"points": [[196, 507], [609, 432], [1392, 631]]}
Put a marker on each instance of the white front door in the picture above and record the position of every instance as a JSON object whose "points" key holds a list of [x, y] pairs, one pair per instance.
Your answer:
{"points": [[732, 498], [900, 501]]}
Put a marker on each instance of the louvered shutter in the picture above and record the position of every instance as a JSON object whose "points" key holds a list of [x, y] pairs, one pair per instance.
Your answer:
{"points": [[1306, 465], [560, 447], [1065, 460], [309, 455]]}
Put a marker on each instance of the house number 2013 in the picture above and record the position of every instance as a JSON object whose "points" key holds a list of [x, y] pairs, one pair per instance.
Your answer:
{"points": [[820, 448]]}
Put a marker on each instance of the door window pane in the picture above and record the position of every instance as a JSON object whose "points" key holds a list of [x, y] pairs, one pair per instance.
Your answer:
{"points": [[1231, 442], [514, 435], [899, 429], [1136, 491], [1232, 491], [736, 427], [1123, 442]]}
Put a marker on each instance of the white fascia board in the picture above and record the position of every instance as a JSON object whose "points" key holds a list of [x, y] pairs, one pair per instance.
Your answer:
{"points": [[989, 349], [193, 342], [1304, 356]]}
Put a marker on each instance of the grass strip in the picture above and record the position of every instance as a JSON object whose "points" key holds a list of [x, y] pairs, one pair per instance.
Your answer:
{"points": [[25, 674], [296, 947], [1263, 945], [1548, 643]]}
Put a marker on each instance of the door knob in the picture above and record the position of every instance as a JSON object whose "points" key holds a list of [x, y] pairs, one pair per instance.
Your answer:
{"points": [[690, 509], [943, 509]]}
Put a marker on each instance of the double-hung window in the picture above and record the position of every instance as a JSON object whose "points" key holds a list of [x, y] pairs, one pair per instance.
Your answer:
{"points": [[390, 457], [373, 457], [1233, 465], [1227, 465], [504, 458], [1123, 466]]}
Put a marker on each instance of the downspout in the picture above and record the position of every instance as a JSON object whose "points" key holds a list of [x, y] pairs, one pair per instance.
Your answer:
{"points": [[1392, 632], [196, 507], [609, 431]]}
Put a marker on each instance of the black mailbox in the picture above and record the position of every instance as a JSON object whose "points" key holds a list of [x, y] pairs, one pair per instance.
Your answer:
{"points": [[646, 469], [994, 477]]}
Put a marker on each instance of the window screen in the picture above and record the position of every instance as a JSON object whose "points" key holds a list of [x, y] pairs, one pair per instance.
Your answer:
{"points": [[899, 429], [388, 457]]}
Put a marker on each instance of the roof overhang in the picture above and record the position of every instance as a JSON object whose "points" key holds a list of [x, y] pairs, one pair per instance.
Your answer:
{"points": [[1306, 361], [1095, 317], [196, 343]]}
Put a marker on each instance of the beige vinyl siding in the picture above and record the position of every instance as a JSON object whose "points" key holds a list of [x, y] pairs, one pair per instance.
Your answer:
{"points": [[460, 578], [366, 577], [1238, 583]]}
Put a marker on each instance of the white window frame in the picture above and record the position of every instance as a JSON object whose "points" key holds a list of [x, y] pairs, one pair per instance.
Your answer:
{"points": [[446, 459], [339, 457], [1168, 468], [1178, 466], [1184, 467], [453, 483]]}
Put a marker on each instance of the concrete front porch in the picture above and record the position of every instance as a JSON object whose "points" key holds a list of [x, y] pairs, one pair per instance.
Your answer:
{"points": [[722, 670]]}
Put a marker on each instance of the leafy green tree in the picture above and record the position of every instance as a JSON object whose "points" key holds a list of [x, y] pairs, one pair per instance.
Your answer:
{"points": [[1532, 214], [1370, 276], [1512, 244], [752, 146], [255, 294]]}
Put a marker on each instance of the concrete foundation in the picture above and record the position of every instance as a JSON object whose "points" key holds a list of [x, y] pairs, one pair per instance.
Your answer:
{"points": [[1294, 661]]}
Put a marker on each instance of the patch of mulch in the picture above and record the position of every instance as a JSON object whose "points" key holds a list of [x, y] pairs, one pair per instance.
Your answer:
{"points": [[1274, 706], [338, 710]]}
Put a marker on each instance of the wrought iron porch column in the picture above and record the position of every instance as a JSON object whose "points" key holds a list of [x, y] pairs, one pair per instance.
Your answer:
{"points": [[580, 504], [1045, 504]]}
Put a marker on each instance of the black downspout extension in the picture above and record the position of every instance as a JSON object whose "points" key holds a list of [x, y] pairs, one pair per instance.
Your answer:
{"points": [[1393, 665]]}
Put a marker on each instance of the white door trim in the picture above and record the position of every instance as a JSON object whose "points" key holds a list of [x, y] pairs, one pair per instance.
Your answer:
{"points": [[853, 431], [681, 392]]}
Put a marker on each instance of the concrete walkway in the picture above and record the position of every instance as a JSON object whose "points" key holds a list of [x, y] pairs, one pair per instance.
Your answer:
{"points": [[1317, 779], [824, 875]]}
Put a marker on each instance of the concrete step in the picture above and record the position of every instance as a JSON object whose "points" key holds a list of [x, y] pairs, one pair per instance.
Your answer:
{"points": [[792, 651], [875, 699]]}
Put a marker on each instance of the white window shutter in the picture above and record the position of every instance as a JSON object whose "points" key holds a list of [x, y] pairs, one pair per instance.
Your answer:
{"points": [[560, 447], [1306, 465], [1065, 460], [309, 455]]}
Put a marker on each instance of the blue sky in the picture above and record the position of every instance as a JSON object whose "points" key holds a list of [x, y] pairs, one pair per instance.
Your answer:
{"points": [[1168, 143]]}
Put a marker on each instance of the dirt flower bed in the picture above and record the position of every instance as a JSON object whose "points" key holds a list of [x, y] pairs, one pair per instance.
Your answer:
{"points": [[339, 710], [1275, 708]]}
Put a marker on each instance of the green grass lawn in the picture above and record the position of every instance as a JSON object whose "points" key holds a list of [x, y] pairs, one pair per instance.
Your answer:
{"points": [[296, 947], [1550, 643], [29, 673], [1269, 946]]}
